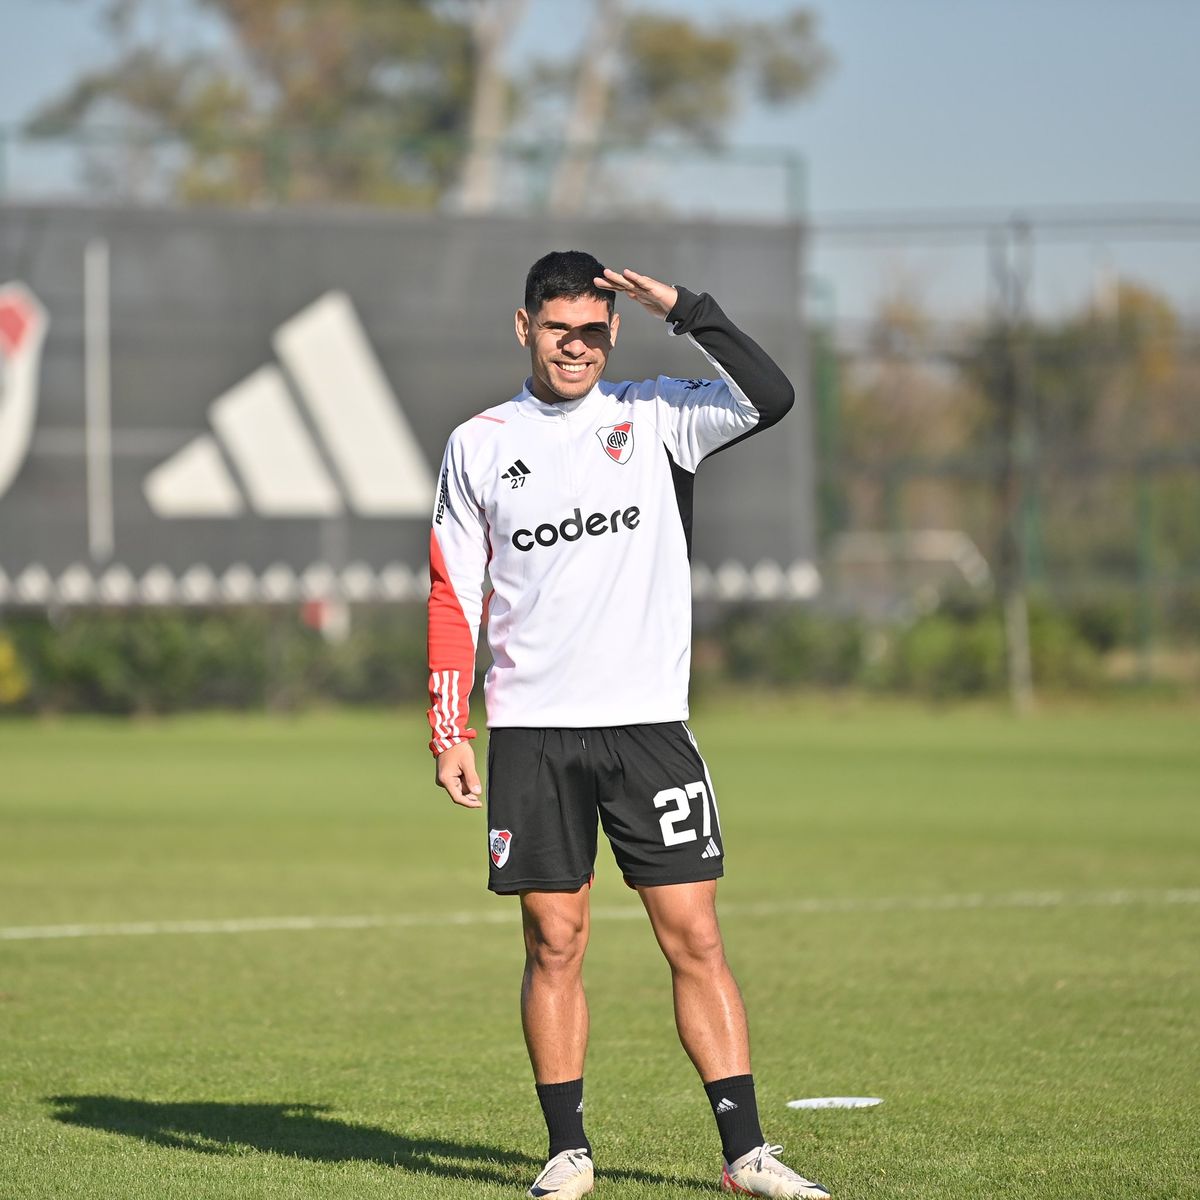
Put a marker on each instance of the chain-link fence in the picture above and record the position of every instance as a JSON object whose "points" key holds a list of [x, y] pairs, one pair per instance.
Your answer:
{"points": [[319, 168], [1038, 432]]}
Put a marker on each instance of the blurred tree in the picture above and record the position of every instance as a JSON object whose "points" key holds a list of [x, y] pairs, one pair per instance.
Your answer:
{"points": [[1083, 423], [491, 103], [678, 77], [646, 76], [906, 407], [326, 99], [402, 102], [1100, 483]]}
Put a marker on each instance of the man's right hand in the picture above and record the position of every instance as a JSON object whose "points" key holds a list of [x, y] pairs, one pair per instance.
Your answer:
{"points": [[456, 773]]}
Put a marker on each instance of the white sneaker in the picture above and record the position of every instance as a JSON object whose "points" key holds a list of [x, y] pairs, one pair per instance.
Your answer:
{"points": [[760, 1173], [566, 1176]]}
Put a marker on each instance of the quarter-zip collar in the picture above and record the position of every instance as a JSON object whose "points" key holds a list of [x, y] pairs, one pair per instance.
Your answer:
{"points": [[528, 405]]}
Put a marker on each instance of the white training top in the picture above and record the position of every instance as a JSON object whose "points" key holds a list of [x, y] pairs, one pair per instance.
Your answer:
{"points": [[580, 512]]}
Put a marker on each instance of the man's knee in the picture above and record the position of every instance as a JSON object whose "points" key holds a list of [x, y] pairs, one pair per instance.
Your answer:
{"points": [[696, 945], [555, 939]]}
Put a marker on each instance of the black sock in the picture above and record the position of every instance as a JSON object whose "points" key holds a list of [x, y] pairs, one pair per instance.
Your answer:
{"points": [[736, 1109], [562, 1106]]}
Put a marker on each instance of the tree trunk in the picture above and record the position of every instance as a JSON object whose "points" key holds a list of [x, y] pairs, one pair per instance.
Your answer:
{"points": [[491, 29], [589, 109]]}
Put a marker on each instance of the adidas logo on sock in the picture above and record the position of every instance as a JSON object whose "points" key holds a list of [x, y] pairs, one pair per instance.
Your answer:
{"points": [[517, 471], [712, 850], [726, 1105], [580, 1108]]}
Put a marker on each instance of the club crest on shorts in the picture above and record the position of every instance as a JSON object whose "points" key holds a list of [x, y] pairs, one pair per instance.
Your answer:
{"points": [[499, 842], [617, 441]]}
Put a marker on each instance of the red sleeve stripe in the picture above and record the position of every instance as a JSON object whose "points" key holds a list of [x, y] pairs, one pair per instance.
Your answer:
{"points": [[444, 715], [451, 656]]}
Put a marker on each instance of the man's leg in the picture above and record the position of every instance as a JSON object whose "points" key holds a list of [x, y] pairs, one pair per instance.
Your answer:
{"points": [[554, 1010], [711, 1020], [709, 1013], [554, 1016]]}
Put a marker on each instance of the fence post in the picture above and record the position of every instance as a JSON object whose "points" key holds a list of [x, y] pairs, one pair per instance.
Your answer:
{"points": [[824, 374], [1145, 575], [797, 185], [276, 149]]}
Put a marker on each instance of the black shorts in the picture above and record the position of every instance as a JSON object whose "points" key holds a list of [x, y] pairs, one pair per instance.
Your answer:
{"points": [[647, 785]]}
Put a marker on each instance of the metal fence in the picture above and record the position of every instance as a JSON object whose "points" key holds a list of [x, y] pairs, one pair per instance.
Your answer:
{"points": [[313, 168], [1042, 418]]}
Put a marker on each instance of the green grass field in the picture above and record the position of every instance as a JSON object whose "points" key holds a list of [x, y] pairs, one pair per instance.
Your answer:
{"points": [[991, 924]]}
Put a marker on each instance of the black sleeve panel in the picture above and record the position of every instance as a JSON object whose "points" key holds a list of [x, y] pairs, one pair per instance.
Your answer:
{"points": [[748, 364], [685, 487]]}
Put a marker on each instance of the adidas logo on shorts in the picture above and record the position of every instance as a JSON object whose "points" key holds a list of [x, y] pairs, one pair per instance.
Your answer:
{"points": [[711, 850]]}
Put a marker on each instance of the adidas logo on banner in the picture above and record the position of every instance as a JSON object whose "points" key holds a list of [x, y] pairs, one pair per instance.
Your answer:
{"points": [[726, 1105], [711, 851], [356, 448]]}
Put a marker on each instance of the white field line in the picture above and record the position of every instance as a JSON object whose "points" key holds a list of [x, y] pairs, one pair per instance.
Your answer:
{"points": [[506, 914]]}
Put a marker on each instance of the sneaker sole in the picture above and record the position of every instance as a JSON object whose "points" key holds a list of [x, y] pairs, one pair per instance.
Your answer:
{"points": [[571, 1190], [728, 1185]]}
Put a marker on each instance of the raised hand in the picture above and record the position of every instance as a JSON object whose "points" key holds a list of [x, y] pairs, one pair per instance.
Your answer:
{"points": [[654, 297]]}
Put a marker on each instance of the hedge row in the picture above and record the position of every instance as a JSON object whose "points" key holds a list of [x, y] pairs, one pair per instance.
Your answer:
{"points": [[164, 661], [950, 653]]}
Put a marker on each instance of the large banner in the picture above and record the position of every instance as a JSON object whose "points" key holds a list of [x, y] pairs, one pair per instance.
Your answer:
{"points": [[206, 407]]}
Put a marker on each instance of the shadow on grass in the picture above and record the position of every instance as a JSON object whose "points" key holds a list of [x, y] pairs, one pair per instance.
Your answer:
{"points": [[303, 1131]]}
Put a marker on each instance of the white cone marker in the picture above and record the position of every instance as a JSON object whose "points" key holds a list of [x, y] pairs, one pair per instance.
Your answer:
{"points": [[836, 1102]]}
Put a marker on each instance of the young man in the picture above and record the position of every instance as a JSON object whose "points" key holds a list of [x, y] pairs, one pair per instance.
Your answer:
{"points": [[576, 497]]}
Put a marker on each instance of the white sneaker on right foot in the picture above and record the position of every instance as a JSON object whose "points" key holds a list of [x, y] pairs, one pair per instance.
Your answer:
{"points": [[567, 1176], [760, 1173]]}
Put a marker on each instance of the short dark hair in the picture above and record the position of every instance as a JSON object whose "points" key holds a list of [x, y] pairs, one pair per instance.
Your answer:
{"points": [[564, 274]]}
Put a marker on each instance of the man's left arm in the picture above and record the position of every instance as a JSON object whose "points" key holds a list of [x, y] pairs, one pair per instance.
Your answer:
{"points": [[701, 417]]}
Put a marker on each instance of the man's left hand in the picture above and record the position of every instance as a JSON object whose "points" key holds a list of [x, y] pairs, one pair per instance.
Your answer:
{"points": [[654, 297]]}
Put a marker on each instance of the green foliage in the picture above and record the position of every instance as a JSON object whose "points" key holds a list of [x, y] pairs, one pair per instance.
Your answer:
{"points": [[678, 78], [1103, 622], [944, 658], [14, 684], [957, 651], [326, 92], [154, 661], [792, 645], [367, 102], [165, 661], [1061, 656]]}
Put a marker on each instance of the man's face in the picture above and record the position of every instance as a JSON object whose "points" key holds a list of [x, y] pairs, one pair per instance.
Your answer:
{"points": [[569, 341]]}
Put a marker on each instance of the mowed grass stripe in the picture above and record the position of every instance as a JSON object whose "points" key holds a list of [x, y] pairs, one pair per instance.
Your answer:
{"points": [[813, 905]]}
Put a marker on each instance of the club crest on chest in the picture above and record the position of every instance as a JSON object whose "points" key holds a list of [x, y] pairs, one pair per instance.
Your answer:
{"points": [[617, 441]]}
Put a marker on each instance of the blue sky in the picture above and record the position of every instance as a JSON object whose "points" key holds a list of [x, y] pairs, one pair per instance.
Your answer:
{"points": [[998, 104]]}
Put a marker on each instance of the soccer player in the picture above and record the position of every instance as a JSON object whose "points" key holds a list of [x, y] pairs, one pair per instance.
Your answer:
{"points": [[576, 497]]}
